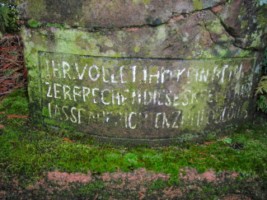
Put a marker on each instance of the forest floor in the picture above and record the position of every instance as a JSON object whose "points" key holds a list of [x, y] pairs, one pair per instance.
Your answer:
{"points": [[36, 163]]}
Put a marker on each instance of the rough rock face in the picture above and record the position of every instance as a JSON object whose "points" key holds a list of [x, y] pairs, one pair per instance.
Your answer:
{"points": [[115, 13], [217, 24], [146, 71]]}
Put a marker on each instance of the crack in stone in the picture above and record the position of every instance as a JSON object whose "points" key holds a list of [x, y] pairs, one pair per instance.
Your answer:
{"points": [[226, 28], [230, 33], [206, 28], [173, 17]]}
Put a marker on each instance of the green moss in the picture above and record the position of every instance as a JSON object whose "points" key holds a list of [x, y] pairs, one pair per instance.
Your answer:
{"points": [[108, 43], [244, 24], [141, 1], [55, 25], [215, 26], [158, 185], [199, 52], [27, 152], [136, 49], [198, 4], [89, 190], [222, 51], [261, 17], [16, 102], [216, 30], [33, 23], [244, 53], [73, 43], [256, 39], [161, 33]]}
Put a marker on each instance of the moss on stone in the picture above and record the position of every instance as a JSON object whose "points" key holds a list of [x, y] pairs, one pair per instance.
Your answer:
{"points": [[170, 40], [136, 49], [215, 26], [141, 1], [256, 39], [36, 7], [161, 33], [198, 4]]}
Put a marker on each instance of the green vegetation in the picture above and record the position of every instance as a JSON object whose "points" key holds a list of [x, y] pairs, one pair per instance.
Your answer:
{"points": [[90, 189], [28, 152], [262, 87], [15, 103], [34, 24], [8, 18]]}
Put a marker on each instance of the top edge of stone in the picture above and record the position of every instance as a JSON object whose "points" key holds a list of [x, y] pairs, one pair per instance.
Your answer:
{"points": [[105, 13]]}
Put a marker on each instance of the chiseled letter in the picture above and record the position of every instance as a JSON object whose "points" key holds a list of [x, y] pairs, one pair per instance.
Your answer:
{"points": [[130, 120], [66, 69], [49, 91]]}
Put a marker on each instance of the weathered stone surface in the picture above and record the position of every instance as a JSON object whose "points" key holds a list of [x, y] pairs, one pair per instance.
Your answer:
{"points": [[143, 98], [143, 70], [111, 14], [246, 23]]}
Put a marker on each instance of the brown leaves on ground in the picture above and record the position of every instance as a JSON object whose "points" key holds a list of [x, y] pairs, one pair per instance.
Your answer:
{"points": [[191, 175], [115, 180], [2, 194], [65, 139], [138, 176], [136, 182], [14, 116], [13, 73], [10, 117], [63, 178], [61, 181], [236, 197]]}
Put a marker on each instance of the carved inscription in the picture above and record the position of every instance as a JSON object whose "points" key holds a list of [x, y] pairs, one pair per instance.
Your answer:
{"points": [[144, 93]]}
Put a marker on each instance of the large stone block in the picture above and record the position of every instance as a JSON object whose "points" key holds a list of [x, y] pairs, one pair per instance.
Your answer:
{"points": [[143, 71]]}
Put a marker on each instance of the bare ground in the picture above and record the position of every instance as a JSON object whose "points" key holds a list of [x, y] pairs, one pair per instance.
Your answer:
{"points": [[138, 184]]}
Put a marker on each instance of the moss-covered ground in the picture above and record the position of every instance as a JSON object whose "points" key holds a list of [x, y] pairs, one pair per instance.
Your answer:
{"points": [[28, 152]]}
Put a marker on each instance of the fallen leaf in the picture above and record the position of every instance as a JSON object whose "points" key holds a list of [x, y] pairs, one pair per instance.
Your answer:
{"points": [[67, 140], [13, 116]]}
